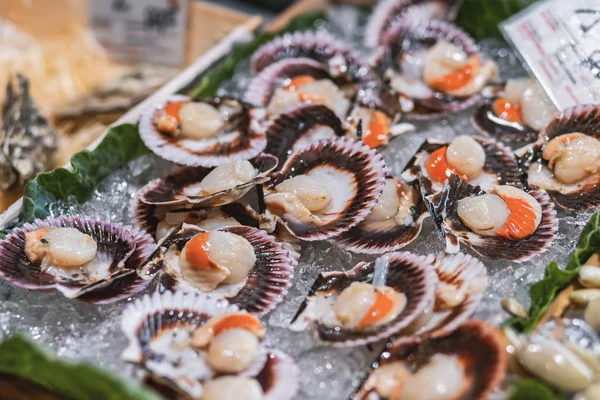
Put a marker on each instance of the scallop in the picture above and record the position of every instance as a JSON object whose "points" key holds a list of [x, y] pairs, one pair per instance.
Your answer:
{"points": [[60, 247], [572, 157], [232, 388], [443, 59], [514, 89], [466, 155], [227, 176], [199, 120], [485, 214], [511, 192], [313, 195], [204, 335], [211, 258], [385, 379], [232, 351], [388, 204], [536, 107]]}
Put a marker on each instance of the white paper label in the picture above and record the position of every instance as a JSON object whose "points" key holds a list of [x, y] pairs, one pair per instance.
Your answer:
{"points": [[141, 30], [559, 40]]}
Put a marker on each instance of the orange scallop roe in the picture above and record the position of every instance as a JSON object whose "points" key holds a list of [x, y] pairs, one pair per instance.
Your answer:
{"points": [[196, 252], [438, 168], [298, 81], [245, 321], [39, 233], [172, 109], [376, 133], [507, 111], [458, 79], [521, 221], [311, 97], [380, 309]]}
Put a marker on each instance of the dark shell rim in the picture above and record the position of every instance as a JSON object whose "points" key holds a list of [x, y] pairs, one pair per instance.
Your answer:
{"points": [[506, 133]]}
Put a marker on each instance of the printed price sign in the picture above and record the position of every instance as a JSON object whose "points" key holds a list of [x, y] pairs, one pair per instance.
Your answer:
{"points": [[560, 43], [141, 30]]}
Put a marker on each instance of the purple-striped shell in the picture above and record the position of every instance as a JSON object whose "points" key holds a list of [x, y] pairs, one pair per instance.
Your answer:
{"points": [[263, 289], [578, 196], [407, 273], [462, 280], [415, 38], [354, 175], [241, 137], [500, 166], [478, 346], [159, 329], [181, 187], [379, 237], [443, 207], [121, 248], [387, 11]]}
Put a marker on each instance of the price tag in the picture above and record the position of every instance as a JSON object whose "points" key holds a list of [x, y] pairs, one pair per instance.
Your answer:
{"points": [[151, 31], [559, 40]]}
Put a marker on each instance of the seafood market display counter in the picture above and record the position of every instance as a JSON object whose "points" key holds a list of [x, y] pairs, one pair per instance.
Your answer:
{"points": [[359, 205]]}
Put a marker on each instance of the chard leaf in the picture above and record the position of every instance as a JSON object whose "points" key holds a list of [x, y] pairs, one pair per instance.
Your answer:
{"points": [[530, 389]]}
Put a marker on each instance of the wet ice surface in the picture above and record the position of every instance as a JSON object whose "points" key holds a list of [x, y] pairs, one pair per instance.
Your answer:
{"points": [[81, 331]]}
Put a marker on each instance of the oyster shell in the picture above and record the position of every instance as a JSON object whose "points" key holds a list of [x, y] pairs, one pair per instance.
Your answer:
{"points": [[407, 273], [182, 186], [109, 277], [354, 176], [265, 286], [239, 138], [581, 195], [443, 208]]}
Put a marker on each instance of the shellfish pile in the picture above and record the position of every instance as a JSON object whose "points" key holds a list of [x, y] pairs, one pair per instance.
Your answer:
{"points": [[329, 204]]}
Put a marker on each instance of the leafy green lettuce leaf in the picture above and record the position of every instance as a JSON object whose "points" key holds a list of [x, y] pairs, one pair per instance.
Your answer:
{"points": [[120, 145], [211, 81], [480, 18], [543, 293], [22, 357], [529, 389]]}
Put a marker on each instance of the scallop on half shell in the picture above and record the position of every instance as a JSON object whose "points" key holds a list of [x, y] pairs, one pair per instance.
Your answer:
{"points": [[414, 61], [189, 186], [469, 364], [565, 160], [444, 206], [408, 283], [266, 282], [160, 329], [110, 274], [325, 189], [210, 132]]}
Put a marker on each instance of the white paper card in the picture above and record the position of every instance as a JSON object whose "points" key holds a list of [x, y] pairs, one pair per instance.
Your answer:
{"points": [[559, 40], [141, 30]]}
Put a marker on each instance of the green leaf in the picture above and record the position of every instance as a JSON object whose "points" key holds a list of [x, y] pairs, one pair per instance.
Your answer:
{"points": [[529, 389], [480, 18], [22, 357], [120, 145], [212, 80], [543, 293]]}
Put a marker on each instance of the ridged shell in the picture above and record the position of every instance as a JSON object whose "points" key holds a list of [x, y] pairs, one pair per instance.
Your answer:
{"points": [[179, 187], [264, 288], [280, 377], [125, 246], [478, 345], [583, 119], [387, 11], [499, 161], [368, 238], [405, 36], [489, 124], [407, 273], [364, 166], [443, 207], [241, 138]]}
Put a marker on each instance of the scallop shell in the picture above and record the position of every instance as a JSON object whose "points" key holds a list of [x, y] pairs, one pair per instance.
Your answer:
{"points": [[479, 345], [181, 186], [443, 205], [500, 166], [373, 238], [464, 273], [280, 377], [264, 288], [341, 156], [407, 273], [292, 131], [582, 119], [159, 328], [240, 139], [388, 11], [122, 246], [406, 36]]}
